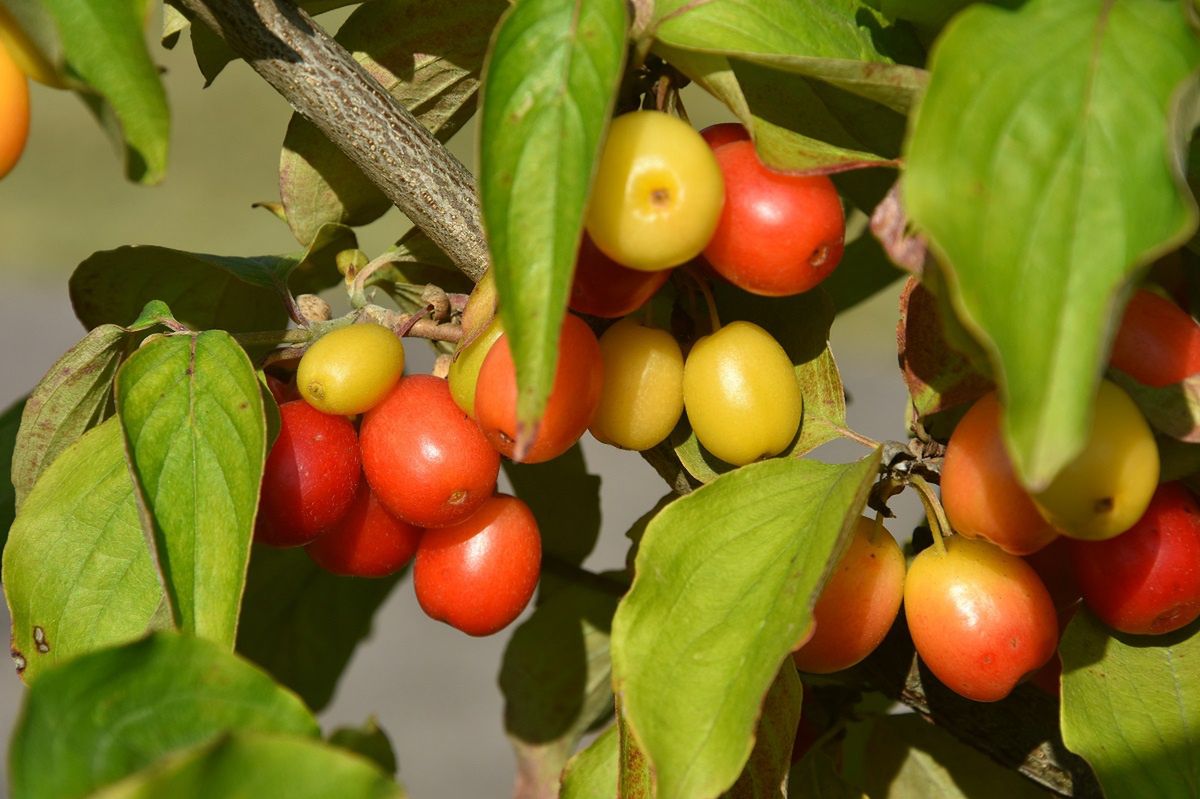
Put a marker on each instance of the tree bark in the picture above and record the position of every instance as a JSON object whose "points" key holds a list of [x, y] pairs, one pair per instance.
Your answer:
{"points": [[321, 80]]}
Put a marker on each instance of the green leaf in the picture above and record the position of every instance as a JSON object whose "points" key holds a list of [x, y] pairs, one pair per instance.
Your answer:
{"points": [[865, 269], [635, 775], [1069, 181], [817, 776], [105, 47], [77, 573], [74, 396], [565, 499], [556, 680], [108, 714], [10, 421], [593, 771], [1129, 707], [205, 291], [937, 375], [908, 756], [766, 773], [428, 55], [417, 263], [370, 741], [302, 623], [732, 571], [817, 117], [195, 432], [550, 81], [250, 765]]}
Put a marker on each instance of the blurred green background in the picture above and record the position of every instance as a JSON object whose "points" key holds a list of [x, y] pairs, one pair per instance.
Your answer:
{"points": [[432, 688]]}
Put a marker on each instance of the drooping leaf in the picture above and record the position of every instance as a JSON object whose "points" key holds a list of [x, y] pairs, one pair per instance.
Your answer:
{"points": [[248, 764], [10, 420], [1129, 707], [731, 571], [368, 740], [938, 376], [550, 81], [428, 55], [104, 46], [107, 714], [77, 573], [1044, 165], [74, 396], [556, 680], [594, 771], [908, 756], [195, 432], [302, 624], [766, 772]]}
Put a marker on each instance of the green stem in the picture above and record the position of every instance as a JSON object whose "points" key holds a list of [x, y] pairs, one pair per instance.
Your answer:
{"points": [[938, 523]]}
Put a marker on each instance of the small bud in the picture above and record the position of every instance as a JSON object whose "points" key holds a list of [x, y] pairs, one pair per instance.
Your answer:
{"points": [[350, 261], [313, 308], [438, 302]]}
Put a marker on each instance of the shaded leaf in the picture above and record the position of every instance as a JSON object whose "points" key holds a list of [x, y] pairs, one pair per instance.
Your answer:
{"points": [[937, 375], [1044, 165], [565, 499], [816, 776], [243, 765], [736, 568], [302, 623], [1129, 707], [1173, 410], [204, 291], [864, 271], [77, 573], [108, 714], [556, 680], [370, 741], [766, 773], [104, 47], [909, 756], [551, 77], [195, 433]]}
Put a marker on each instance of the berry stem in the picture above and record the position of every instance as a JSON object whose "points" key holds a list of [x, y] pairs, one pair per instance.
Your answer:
{"points": [[714, 320], [938, 523], [866, 441]]}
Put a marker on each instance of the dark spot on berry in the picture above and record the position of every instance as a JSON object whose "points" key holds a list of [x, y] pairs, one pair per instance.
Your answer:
{"points": [[1103, 505], [660, 197], [819, 256]]}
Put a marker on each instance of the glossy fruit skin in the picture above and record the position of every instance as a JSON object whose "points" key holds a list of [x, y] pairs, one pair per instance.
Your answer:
{"points": [[1158, 343], [724, 133], [478, 575], [14, 111], [1146, 581], [980, 490], [779, 234], [574, 396], [980, 618], [426, 460], [367, 542], [858, 604], [464, 371], [602, 287], [349, 370], [1107, 487], [310, 476], [657, 194], [642, 397], [741, 394]]}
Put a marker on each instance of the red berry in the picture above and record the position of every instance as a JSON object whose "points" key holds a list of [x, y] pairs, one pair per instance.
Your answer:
{"points": [[367, 542], [426, 460], [724, 133], [779, 234], [1158, 343], [309, 478], [480, 574], [602, 287]]}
